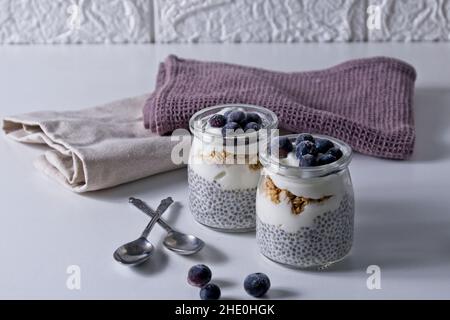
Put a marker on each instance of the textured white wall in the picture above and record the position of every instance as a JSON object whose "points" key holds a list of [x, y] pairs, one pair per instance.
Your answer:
{"points": [[259, 20], [91, 21], [171, 21], [412, 20]]}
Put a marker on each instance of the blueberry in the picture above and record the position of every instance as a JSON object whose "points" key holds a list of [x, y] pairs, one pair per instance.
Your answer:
{"points": [[199, 275], [305, 147], [284, 146], [323, 145], [307, 160], [236, 116], [325, 158], [304, 137], [226, 113], [336, 152], [257, 284], [230, 127], [217, 121], [252, 125], [254, 117], [210, 292]]}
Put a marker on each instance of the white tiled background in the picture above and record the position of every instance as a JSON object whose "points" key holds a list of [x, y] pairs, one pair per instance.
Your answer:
{"points": [[174, 21]]}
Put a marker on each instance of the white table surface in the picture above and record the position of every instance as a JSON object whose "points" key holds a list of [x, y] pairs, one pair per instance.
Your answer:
{"points": [[402, 213]]}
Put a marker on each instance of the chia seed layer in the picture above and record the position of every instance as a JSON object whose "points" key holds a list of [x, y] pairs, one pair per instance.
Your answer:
{"points": [[230, 210], [327, 240]]}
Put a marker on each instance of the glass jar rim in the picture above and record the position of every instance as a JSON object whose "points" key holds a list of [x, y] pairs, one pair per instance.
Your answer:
{"points": [[275, 166], [196, 126]]}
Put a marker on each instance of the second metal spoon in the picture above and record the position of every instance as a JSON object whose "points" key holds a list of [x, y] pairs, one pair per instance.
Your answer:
{"points": [[139, 250], [184, 244]]}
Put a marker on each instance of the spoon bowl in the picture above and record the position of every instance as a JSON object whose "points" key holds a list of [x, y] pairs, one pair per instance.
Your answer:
{"points": [[139, 250], [184, 244], [134, 252]]}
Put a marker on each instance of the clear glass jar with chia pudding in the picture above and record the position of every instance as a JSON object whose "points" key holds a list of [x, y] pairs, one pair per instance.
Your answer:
{"points": [[305, 202], [224, 167]]}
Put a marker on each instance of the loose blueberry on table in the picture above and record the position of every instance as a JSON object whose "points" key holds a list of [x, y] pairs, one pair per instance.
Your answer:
{"points": [[199, 275], [257, 284], [308, 150], [210, 292], [232, 120]]}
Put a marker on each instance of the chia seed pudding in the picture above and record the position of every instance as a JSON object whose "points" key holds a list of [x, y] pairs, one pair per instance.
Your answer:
{"points": [[305, 202], [224, 167]]}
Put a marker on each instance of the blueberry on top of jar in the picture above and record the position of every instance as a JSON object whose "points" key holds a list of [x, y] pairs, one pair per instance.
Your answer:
{"points": [[323, 145], [284, 146], [230, 127], [325, 158], [252, 126], [233, 120], [254, 117], [236, 116], [226, 113], [305, 147], [309, 151], [217, 120], [308, 160], [304, 137], [335, 151]]}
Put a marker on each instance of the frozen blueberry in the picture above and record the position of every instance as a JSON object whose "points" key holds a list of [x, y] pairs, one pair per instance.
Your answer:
{"points": [[305, 147], [304, 137], [226, 113], [236, 116], [254, 117], [210, 292], [217, 121], [256, 284], [199, 275], [323, 145], [252, 125], [307, 160], [336, 152], [284, 146], [325, 158], [230, 127]]}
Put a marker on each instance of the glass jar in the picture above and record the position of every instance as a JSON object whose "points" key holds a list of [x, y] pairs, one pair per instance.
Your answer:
{"points": [[305, 215], [224, 170]]}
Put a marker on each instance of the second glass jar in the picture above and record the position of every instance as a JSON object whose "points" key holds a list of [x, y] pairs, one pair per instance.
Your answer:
{"points": [[305, 215]]}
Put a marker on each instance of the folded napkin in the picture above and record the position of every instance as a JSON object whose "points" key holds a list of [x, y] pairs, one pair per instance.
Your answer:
{"points": [[365, 102], [94, 148]]}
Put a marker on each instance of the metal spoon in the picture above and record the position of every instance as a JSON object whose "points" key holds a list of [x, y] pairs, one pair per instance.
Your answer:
{"points": [[184, 244], [141, 249]]}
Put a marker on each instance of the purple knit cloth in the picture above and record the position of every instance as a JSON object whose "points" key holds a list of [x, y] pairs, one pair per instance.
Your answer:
{"points": [[366, 102]]}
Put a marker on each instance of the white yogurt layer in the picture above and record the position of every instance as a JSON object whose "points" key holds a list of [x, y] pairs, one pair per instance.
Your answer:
{"points": [[232, 176], [336, 185], [228, 176], [290, 160]]}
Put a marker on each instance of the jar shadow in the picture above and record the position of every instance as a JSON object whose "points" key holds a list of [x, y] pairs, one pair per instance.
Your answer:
{"points": [[398, 235], [431, 124]]}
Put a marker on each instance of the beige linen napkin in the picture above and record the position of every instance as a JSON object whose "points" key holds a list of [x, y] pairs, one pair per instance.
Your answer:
{"points": [[94, 148]]}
